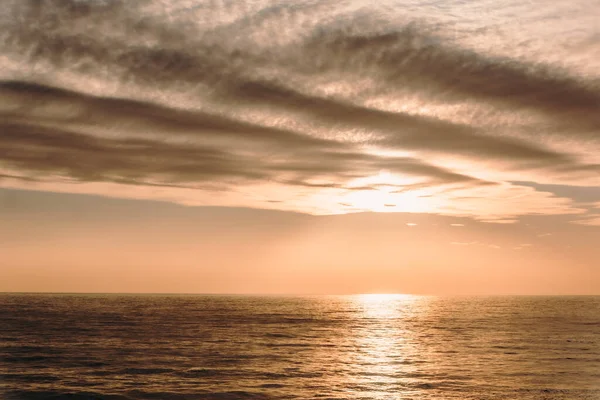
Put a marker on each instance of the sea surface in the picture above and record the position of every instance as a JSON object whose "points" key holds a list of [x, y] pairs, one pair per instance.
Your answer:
{"points": [[331, 347]]}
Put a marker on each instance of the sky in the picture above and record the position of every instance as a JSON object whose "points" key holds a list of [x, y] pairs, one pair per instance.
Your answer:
{"points": [[434, 147]]}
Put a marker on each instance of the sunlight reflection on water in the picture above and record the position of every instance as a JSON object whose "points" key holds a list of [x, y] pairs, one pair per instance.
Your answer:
{"points": [[384, 342]]}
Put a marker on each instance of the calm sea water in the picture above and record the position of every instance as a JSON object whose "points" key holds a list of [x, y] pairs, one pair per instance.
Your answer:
{"points": [[354, 347]]}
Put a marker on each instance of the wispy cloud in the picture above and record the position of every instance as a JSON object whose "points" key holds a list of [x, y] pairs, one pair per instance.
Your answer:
{"points": [[523, 246], [593, 220]]}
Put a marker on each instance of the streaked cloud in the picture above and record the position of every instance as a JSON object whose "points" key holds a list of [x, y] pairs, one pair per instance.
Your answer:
{"points": [[327, 108], [593, 220]]}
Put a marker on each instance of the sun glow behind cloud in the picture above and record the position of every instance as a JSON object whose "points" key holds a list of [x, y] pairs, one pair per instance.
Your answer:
{"points": [[384, 193]]}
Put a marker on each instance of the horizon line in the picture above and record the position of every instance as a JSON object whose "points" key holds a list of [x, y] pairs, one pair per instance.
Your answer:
{"points": [[226, 294]]}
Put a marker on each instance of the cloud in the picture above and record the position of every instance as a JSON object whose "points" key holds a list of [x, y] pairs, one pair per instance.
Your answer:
{"points": [[475, 243], [180, 146], [400, 130], [523, 246], [326, 109], [581, 194], [593, 220]]}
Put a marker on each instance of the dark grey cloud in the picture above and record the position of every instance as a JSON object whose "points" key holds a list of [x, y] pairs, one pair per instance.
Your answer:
{"points": [[401, 130], [55, 144], [306, 155], [90, 110], [411, 57], [39, 149]]}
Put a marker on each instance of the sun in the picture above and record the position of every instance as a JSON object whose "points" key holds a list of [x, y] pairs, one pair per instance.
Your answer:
{"points": [[382, 305], [387, 192], [382, 297], [387, 199]]}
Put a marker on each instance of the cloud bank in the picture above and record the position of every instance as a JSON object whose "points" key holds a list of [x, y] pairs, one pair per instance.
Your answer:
{"points": [[316, 107]]}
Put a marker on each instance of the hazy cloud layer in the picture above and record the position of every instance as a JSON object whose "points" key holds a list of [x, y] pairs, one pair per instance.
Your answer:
{"points": [[317, 107]]}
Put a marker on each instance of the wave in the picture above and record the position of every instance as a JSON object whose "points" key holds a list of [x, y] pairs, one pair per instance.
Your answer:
{"points": [[133, 395], [54, 395], [29, 378], [198, 373], [145, 371]]}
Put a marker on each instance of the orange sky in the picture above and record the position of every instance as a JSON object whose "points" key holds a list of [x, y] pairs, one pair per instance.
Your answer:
{"points": [[391, 146], [81, 243]]}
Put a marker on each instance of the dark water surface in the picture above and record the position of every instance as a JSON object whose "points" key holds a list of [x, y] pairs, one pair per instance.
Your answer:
{"points": [[353, 347]]}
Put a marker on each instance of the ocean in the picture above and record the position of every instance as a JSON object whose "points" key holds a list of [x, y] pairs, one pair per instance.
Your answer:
{"points": [[118, 347]]}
